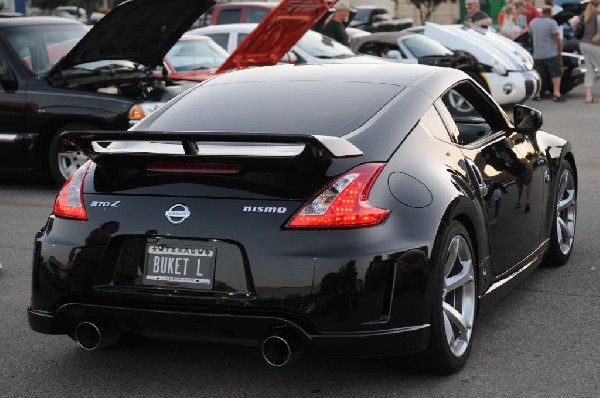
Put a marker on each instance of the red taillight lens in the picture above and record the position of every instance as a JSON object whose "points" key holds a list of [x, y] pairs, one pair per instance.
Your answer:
{"points": [[69, 202], [343, 203]]}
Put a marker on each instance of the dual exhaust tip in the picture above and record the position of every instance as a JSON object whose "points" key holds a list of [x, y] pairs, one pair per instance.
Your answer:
{"points": [[94, 335], [281, 349], [277, 350]]}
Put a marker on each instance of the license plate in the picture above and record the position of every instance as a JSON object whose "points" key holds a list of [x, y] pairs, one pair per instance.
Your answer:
{"points": [[183, 265]]}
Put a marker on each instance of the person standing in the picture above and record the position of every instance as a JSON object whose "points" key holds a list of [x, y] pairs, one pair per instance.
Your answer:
{"points": [[514, 23], [547, 48], [590, 46], [334, 26], [475, 15]]}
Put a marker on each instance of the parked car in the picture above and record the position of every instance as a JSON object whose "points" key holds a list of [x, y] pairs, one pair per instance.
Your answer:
{"points": [[312, 48], [238, 12], [356, 210], [410, 47], [194, 57], [372, 18], [508, 67], [58, 75]]}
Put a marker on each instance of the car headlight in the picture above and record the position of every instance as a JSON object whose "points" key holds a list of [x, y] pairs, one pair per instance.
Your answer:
{"points": [[140, 111], [499, 68]]}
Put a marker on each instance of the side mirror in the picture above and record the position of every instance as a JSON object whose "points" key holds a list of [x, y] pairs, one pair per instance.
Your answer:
{"points": [[527, 119]]}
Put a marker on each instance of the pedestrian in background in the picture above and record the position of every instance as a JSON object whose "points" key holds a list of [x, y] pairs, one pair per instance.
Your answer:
{"points": [[334, 26], [590, 46], [547, 48], [475, 15], [514, 22]]}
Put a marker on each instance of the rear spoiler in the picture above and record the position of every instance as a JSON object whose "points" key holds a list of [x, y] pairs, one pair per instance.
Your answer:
{"points": [[187, 146]]}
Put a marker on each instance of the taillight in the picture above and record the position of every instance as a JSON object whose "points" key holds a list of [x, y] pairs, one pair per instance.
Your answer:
{"points": [[69, 202], [343, 203]]}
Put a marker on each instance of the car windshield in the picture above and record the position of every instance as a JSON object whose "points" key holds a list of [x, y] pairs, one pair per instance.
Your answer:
{"points": [[421, 46], [323, 47], [195, 54], [40, 47]]}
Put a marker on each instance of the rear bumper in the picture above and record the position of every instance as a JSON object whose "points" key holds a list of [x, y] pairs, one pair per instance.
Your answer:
{"points": [[230, 328]]}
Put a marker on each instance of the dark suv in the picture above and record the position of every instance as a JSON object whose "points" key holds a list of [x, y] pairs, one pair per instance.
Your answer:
{"points": [[54, 79]]}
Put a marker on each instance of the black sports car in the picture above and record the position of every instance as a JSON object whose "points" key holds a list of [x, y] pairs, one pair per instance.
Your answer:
{"points": [[361, 210]]}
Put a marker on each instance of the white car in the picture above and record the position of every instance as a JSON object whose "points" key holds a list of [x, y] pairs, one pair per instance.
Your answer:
{"points": [[312, 48], [508, 72]]}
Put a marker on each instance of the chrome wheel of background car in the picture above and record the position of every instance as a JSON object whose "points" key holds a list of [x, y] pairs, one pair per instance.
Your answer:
{"points": [[69, 160], [459, 102], [65, 158], [566, 212], [562, 235], [458, 296]]}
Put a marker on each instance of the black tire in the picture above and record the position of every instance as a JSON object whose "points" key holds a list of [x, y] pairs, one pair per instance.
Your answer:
{"points": [[562, 235], [442, 355], [64, 159]]}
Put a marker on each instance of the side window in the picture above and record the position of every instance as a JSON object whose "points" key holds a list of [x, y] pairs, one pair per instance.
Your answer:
{"points": [[255, 15], [433, 123], [233, 15], [473, 116], [221, 39], [241, 37]]}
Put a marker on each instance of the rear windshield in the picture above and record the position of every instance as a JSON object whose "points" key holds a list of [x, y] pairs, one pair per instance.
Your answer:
{"points": [[290, 107]]}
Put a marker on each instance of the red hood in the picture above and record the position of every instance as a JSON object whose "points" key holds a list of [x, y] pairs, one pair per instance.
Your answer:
{"points": [[277, 33]]}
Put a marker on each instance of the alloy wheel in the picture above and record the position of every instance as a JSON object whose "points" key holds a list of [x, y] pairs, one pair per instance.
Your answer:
{"points": [[69, 160], [458, 296], [566, 211]]}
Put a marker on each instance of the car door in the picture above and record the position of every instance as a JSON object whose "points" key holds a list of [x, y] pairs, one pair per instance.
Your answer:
{"points": [[506, 171], [12, 113]]}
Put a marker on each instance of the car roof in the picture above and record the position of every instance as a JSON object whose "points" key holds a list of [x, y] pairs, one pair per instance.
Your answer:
{"points": [[432, 80], [36, 21], [230, 27], [190, 36], [382, 37]]}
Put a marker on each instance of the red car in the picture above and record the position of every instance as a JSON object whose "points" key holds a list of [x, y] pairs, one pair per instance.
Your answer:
{"points": [[266, 45]]}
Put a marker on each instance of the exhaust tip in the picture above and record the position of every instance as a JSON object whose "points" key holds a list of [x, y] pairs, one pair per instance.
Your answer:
{"points": [[88, 335], [276, 351]]}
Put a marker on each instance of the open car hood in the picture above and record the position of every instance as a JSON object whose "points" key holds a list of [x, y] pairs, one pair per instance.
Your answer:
{"points": [[277, 33], [141, 31], [486, 45]]}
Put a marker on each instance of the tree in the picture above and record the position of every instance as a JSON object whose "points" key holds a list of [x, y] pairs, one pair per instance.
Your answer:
{"points": [[426, 7]]}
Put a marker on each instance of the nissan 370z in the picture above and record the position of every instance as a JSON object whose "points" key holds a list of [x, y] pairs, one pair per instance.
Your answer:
{"points": [[351, 210]]}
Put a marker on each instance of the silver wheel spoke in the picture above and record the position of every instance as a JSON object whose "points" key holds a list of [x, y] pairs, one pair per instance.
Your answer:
{"points": [[568, 201], [564, 231], [460, 279], [452, 256], [457, 320]]}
